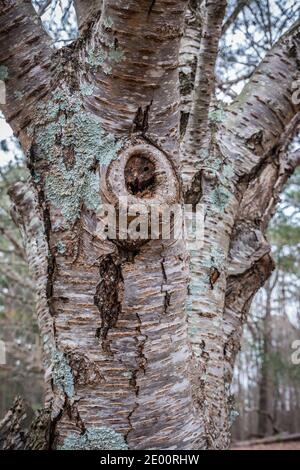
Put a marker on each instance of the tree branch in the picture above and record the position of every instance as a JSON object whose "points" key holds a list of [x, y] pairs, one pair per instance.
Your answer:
{"points": [[16, 278], [250, 263], [27, 215], [197, 127], [255, 122], [188, 55], [18, 248], [25, 59], [240, 5]]}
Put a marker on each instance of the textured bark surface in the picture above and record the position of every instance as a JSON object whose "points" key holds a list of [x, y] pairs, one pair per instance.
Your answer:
{"points": [[140, 337]]}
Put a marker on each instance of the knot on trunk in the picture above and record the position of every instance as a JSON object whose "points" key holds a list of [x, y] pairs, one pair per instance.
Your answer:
{"points": [[140, 181]]}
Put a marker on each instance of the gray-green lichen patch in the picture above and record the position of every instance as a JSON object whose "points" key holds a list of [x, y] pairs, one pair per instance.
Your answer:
{"points": [[62, 374], [18, 95], [219, 198], [108, 22], [218, 258], [96, 58], [228, 172], [128, 374], [216, 115], [95, 438], [3, 72], [212, 163], [61, 248], [215, 259], [115, 54], [197, 285], [86, 88], [73, 142], [105, 57]]}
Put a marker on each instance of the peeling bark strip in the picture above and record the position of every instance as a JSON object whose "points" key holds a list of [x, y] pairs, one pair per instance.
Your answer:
{"points": [[108, 126], [108, 297]]}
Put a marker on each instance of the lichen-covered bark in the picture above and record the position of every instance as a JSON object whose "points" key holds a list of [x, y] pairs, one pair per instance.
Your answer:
{"points": [[128, 363], [118, 344]]}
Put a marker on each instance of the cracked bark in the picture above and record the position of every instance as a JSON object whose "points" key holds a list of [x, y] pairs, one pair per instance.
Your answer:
{"points": [[86, 12], [163, 381]]}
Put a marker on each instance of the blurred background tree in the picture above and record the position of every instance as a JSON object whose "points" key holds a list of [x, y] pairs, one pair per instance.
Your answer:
{"points": [[22, 373]]}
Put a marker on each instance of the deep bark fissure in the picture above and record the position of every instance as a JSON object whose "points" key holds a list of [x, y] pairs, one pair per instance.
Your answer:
{"points": [[143, 362], [108, 297]]}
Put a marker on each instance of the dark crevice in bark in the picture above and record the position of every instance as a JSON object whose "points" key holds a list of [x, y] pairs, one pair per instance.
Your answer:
{"points": [[194, 193], [47, 226], [141, 368], [84, 372], [140, 122], [127, 255], [152, 4], [167, 299], [108, 296], [213, 276]]}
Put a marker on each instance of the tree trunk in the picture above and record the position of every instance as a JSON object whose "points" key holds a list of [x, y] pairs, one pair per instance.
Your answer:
{"points": [[265, 418], [130, 364]]}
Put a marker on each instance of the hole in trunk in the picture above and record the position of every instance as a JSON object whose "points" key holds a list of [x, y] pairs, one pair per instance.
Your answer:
{"points": [[140, 176]]}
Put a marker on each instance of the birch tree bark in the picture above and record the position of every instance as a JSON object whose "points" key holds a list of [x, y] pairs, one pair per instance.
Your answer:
{"points": [[140, 338]]}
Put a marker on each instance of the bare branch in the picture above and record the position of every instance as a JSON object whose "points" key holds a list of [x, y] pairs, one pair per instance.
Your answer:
{"points": [[250, 262], [18, 248], [27, 215], [15, 277], [257, 119], [240, 5]]}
